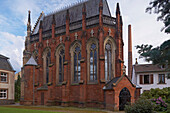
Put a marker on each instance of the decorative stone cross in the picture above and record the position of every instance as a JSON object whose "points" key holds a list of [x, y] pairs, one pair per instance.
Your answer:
{"points": [[47, 43], [109, 32], [92, 33], [35, 46], [61, 39], [76, 36]]}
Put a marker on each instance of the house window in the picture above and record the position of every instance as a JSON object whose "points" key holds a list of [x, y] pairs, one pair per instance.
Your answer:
{"points": [[108, 62], [93, 62], [3, 94], [77, 67], [146, 79], [3, 77], [61, 65], [48, 61], [161, 78]]}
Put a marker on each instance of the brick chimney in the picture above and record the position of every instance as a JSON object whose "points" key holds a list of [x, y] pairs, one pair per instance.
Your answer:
{"points": [[129, 52]]}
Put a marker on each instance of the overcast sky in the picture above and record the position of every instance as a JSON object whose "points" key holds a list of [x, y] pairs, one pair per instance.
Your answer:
{"points": [[13, 21]]}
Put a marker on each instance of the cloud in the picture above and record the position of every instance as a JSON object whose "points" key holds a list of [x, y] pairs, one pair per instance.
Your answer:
{"points": [[12, 46], [13, 21]]}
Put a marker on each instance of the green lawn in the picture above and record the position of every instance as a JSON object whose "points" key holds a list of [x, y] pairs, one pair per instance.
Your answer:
{"points": [[47, 109], [18, 110]]}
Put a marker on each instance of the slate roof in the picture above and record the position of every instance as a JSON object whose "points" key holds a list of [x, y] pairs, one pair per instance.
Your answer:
{"points": [[115, 81], [75, 12], [109, 85], [139, 68], [31, 62], [5, 64]]}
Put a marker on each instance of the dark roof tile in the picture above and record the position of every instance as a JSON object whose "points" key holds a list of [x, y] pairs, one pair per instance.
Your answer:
{"points": [[5, 64], [147, 68], [75, 12]]}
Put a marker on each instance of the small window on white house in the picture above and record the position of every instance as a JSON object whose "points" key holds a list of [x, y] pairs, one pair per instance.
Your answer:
{"points": [[161, 79], [146, 79], [3, 77], [3, 94]]}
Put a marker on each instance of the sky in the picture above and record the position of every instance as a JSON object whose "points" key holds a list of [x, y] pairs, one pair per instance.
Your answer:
{"points": [[13, 22]]}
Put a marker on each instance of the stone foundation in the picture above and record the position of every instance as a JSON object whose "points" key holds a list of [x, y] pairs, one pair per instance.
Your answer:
{"points": [[6, 102]]}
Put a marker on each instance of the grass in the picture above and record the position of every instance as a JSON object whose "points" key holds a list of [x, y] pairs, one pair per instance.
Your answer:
{"points": [[45, 109], [18, 110]]}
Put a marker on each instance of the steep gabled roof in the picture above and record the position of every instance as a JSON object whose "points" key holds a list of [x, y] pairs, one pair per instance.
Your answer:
{"points": [[36, 27], [5, 64], [113, 83], [75, 12]]}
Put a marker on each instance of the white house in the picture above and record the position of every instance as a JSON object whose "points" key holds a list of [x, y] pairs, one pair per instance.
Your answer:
{"points": [[7, 81], [150, 76]]}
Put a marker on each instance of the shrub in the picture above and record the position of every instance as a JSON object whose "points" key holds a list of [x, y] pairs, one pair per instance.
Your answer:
{"points": [[156, 93], [160, 104], [140, 106]]}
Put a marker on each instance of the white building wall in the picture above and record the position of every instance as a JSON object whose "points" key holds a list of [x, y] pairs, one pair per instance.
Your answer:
{"points": [[10, 86], [155, 81]]}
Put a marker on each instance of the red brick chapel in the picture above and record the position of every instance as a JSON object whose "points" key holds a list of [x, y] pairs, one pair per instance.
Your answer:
{"points": [[74, 57]]}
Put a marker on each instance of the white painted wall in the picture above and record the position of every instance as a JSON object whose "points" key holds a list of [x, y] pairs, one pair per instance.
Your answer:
{"points": [[136, 80]]}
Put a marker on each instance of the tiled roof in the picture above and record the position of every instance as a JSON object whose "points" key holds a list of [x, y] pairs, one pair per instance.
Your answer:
{"points": [[147, 68], [113, 83], [75, 12], [5, 64], [109, 85], [4, 57]]}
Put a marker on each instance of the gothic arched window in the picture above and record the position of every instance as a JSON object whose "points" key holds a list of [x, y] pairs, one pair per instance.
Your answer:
{"points": [[77, 67], [61, 65], [93, 62], [108, 62], [48, 61]]}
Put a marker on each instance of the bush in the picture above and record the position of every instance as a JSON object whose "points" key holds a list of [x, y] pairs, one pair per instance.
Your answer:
{"points": [[156, 93], [140, 106], [160, 105], [158, 98]]}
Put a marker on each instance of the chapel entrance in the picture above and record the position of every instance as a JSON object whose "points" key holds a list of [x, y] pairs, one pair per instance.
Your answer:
{"points": [[124, 97], [42, 98]]}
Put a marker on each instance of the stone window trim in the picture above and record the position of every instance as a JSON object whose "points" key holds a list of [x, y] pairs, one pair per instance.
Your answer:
{"points": [[6, 75], [92, 40], [161, 79], [75, 44], [45, 52], [6, 92], [112, 42], [58, 49]]}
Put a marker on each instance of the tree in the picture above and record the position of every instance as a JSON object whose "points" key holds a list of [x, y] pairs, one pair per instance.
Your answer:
{"points": [[161, 7], [161, 54], [158, 55], [17, 89]]}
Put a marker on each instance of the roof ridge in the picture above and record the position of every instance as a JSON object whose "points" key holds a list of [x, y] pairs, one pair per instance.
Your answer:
{"points": [[41, 14], [67, 7], [4, 57]]}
